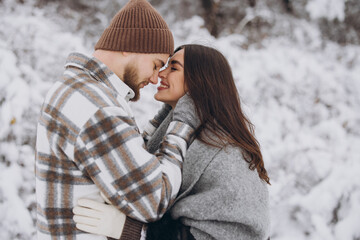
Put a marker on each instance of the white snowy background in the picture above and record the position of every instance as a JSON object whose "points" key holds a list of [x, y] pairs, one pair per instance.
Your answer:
{"points": [[301, 91]]}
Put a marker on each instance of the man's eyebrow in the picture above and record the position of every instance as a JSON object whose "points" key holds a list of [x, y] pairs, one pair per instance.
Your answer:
{"points": [[161, 62], [176, 62]]}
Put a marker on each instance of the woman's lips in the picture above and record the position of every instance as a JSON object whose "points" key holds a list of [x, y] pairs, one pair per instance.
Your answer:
{"points": [[163, 86]]}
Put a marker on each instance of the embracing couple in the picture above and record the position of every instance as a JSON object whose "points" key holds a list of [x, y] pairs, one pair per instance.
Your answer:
{"points": [[196, 171]]}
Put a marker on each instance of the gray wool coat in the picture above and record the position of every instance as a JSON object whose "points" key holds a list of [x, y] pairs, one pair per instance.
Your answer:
{"points": [[220, 197]]}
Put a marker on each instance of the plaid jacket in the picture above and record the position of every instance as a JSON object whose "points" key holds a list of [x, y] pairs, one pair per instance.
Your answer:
{"points": [[88, 141]]}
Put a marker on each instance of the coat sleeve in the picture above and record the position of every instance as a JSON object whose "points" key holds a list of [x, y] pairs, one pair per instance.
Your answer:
{"points": [[154, 123], [110, 151], [131, 231]]}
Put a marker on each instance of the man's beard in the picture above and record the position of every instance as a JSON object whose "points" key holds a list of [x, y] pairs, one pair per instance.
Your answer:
{"points": [[130, 78]]}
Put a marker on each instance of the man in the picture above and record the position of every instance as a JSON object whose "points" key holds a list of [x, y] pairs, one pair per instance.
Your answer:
{"points": [[87, 138]]}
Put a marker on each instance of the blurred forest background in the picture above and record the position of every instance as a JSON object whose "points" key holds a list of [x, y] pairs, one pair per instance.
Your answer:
{"points": [[297, 69]]}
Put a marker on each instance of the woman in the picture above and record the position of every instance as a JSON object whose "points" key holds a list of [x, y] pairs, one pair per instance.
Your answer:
{"points": [[224, 191]]}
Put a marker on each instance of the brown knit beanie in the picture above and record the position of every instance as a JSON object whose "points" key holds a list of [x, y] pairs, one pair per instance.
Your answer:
{"points": [[139, 28]]}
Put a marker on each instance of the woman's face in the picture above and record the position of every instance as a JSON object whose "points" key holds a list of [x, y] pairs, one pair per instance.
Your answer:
{"points": [[172, 86]]}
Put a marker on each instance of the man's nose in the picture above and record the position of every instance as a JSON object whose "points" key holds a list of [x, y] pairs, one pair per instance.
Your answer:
{"points": [[162, 74], [154, 78]]}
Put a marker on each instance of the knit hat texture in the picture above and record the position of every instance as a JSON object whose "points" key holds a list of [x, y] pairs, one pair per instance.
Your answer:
{"points": [[139, 28]]}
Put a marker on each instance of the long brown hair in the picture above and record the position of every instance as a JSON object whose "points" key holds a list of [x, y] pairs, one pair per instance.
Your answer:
{"points": [[208, 78]]}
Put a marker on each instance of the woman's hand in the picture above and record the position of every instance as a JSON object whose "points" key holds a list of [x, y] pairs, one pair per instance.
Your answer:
{"points": [[99, 218], [185, 111]]}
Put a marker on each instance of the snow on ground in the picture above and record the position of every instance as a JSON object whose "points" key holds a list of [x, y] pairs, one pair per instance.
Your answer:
{"points": [[302, 94]]}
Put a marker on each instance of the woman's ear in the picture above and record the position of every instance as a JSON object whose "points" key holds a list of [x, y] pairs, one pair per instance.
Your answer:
{"points": [[185, 88]]}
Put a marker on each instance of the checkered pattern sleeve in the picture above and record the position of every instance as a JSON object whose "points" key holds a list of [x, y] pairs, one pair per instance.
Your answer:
{"points": [[154, 123], [109, 150]]}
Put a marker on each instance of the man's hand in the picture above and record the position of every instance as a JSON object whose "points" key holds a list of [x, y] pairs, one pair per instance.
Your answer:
{"points": [[99, 218], [105, 198]]}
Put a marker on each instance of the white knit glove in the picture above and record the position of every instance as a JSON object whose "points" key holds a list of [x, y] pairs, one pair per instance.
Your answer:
{"points": [[99, 218], [105, 198]]}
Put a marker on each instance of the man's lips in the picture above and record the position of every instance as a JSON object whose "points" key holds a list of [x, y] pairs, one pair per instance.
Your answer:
{"points": [[143, 84]]}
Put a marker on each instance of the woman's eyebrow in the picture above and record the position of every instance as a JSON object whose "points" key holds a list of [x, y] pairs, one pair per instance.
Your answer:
{"points": [[176, 62]]}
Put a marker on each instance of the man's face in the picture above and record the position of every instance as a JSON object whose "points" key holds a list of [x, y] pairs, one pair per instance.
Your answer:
{"points": [[142, 70]]}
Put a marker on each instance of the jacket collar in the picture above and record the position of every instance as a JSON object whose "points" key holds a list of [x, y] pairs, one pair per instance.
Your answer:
{"points": [[101, 73]]}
